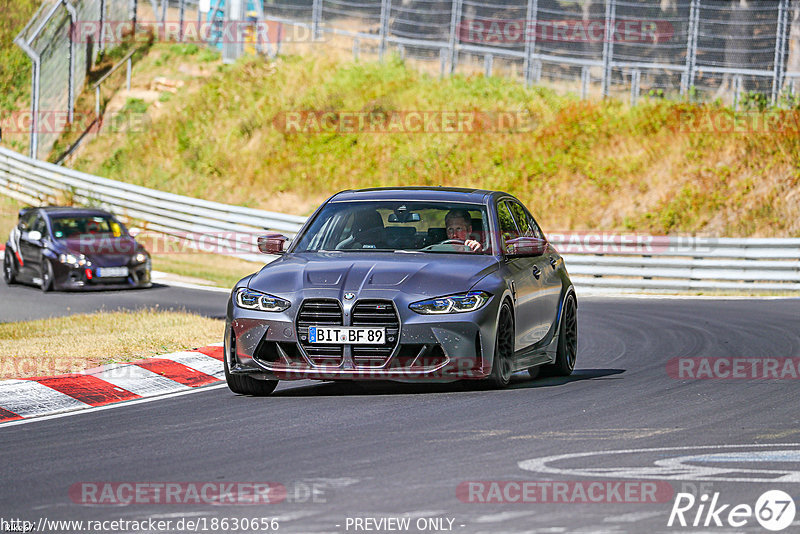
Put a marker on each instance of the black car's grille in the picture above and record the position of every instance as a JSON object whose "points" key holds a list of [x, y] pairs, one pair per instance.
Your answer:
{"points": [[320, 312], [376, 313]]}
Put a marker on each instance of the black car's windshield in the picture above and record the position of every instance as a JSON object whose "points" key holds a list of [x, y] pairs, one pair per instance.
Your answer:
{"points": [[399, 226], [86, 225]]}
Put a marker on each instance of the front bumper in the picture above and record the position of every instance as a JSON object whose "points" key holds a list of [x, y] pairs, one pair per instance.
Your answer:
{"points": [[428, 349], [67, 277]]}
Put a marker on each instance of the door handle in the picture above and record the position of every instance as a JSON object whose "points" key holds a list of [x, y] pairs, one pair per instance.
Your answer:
{"points": [[553, 262], [536, 272]]}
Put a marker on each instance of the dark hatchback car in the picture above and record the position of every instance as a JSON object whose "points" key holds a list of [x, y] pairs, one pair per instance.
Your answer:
{"points": [[74, 248], [407, 284]]}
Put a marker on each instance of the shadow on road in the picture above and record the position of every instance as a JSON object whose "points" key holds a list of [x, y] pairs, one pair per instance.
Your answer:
{"points": [[518, 381]]}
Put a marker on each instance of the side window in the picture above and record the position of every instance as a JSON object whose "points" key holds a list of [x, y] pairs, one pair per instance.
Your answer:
{"points": [[40, 226], [530, 222], [26, 221], [521, 218], [508, 230]]}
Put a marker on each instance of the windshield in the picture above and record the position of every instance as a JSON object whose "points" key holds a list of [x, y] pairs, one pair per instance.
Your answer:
{"points": [[73, 227], [436, 227]]}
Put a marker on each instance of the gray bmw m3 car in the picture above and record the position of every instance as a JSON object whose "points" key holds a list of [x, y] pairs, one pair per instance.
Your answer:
{"points": [[407, 284]]}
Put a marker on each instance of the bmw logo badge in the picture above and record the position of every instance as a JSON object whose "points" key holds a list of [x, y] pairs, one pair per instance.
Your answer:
{"points": [[349, 296]]}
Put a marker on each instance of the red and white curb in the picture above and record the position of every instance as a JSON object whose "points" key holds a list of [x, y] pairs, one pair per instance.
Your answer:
{"points": [[109, 384]]}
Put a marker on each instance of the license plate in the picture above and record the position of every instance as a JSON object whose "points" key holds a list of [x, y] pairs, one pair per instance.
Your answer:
{"points": [[112, 272], [347, 335]]}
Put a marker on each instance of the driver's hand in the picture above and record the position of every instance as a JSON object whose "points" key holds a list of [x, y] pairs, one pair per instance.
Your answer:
{"points": [[474, 245]]}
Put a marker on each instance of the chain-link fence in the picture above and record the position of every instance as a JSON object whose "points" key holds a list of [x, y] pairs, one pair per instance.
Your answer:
{"points": [[730, 50]]}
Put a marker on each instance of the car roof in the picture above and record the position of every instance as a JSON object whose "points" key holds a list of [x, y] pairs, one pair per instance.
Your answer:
{"points": [[52, 211], [454, 194]]}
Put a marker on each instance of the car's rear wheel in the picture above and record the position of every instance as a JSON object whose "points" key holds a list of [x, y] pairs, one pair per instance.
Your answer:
{"points": [[9, 267], [567, 350], [245, 385], [503, 348], [47, 275]]}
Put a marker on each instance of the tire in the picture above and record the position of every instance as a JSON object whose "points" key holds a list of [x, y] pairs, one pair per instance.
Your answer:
{"points": [[9, 267], [245, 385], [567, 350], [47, 275], [503, 348]]}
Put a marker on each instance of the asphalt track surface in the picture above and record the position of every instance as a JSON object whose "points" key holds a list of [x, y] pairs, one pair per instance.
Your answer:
{"points": [[388, 450], [25, 302]]}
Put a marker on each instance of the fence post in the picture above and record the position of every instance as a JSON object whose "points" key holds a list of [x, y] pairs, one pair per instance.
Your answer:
{"points": [[316, 16], [531, 23], [182, 11], [635, 80], [608, 45], [585, 81], [386, 6], [102, 44], [128, 74], [35, 72], [97, 102], [737, 89], [73, 19], [355, 49], [455, 19], [488, 59], [442, 61], [687, 81], [780, 51], [164, 11], [134, 7]]}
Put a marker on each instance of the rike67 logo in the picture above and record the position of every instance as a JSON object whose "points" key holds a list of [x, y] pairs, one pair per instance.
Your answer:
{"points": [[774, 510]]}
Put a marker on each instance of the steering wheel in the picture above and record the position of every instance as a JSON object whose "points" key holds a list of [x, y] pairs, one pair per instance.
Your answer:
{"points": [[453, 242]]}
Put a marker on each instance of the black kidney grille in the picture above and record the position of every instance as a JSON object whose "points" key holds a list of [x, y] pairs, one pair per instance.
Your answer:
{"points": [[320, 312], [375, 313]]}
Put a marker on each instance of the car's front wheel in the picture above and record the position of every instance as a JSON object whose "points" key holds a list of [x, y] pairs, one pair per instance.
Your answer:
{"points": [[9, 268], [567, 350], [47, 275], [503, 348], [245, 385]]}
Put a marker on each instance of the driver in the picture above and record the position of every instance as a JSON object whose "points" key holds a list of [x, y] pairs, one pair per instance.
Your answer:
{"points": [[459, 226]]}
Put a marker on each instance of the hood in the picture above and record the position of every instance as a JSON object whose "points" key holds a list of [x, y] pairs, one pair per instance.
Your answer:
{"points": [[416, 274], [104, 251]]}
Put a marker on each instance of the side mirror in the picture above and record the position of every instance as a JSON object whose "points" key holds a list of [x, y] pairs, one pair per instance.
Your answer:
{"points": [[526, 246], [272, 243], [35, 235]]}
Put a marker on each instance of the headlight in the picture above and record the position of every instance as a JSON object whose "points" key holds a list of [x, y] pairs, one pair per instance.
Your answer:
{"points": [[140, 257], [255, 300], [72, 259], [461, 303]]}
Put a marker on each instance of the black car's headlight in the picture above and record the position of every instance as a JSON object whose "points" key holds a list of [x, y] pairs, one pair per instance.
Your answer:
{"points": [[255, 300], [460, 303], [140, 257], [78, 260]]}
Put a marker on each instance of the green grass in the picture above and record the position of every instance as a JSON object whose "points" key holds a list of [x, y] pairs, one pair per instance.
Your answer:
{"points": [[585, 165]]}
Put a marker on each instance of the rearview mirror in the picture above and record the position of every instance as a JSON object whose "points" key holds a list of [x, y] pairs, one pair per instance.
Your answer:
{"points": [[272, 243], [35, 235], [526, 246], [404, 217]]}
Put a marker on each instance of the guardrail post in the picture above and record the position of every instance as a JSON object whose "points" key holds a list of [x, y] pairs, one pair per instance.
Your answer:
{"points": [[316, 17], [401, 51], [531, 23], [455, 19], [386, 6], [608, 44], [737, 89], [687, 79], [488, 59], [442, 62], [585, 81], [97, 102], [355, 49], [635, 80]]}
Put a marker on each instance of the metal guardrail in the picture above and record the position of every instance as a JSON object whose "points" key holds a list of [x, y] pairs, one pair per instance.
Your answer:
{"points": [[233, 229], [634, 262]]}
